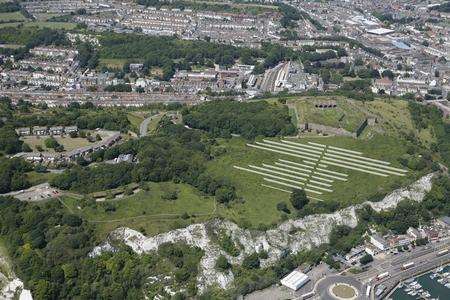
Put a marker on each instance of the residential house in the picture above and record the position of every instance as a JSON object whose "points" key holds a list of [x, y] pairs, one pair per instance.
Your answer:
{"points": [[40, 131]]}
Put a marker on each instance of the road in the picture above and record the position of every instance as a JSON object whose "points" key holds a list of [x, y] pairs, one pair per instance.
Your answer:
{"points": [[424, 259], [143, 128]]}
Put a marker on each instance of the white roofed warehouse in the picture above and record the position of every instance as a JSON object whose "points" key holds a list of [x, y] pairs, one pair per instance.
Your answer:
{"points": [[295, 280]]}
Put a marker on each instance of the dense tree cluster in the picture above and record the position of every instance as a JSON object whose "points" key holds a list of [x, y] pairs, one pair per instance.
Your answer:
{"points": [[169, 53], [444, 7], [9, 140], [12, 174], [49, 248], [30, 37], [425, 116], [223, 118], [85, 116], [175, 153], [12, 6], [291, 14], [87, 56]]}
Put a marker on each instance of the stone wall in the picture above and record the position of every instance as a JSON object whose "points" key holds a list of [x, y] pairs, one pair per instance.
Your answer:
{"points": [[326, 129]]}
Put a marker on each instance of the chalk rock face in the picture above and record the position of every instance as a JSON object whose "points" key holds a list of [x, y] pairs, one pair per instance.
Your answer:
{"points": [[292, 235]]}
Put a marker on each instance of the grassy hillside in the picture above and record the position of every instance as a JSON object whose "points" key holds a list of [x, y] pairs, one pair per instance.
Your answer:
{"points": [[146, 211], [393, 117], [258, 204]]}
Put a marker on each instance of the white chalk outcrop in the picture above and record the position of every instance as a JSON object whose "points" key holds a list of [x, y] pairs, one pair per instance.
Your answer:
{"points": [[292, 235]]}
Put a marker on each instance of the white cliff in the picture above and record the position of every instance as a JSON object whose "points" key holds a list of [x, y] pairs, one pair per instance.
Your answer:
{"points": [[292, 235]]}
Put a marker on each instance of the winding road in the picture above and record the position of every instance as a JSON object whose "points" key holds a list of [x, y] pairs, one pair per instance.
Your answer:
{"points": [[143, 128]]}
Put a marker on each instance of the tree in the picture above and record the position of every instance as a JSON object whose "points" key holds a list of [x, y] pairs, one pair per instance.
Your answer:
{"points": [[225, 194], [299, 199], [51, 142], [251, 261], [222, 263], [282, 206], [366, 259]]}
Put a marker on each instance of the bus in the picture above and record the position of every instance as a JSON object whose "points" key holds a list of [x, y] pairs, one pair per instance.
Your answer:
{"points": [[442, 252], [368, 291], [382, 275], [407, 265]]}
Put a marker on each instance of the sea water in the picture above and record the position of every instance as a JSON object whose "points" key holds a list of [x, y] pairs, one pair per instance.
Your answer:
{"points": [[432, 286]]}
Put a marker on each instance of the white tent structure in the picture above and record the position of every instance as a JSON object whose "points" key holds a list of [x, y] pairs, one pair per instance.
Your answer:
{"points": [[295, 280]]}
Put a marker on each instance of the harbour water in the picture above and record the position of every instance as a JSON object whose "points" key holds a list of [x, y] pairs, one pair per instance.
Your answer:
{"points": [[426, 288]]}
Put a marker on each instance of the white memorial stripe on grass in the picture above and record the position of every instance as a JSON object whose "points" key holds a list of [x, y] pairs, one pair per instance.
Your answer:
{"points": [[345, 159], [332, 172], [345, 150], [323, 166], [281, 152], [289, 150], [309, 162], [357, 169], [275, 188], [312, 148], [377, 169], [292, 186], [318, 187], [323, 179], [319, 153], [295, 163], [331, 176], [357, 156], [320, 183], [289, 171], [317, 144], [292, 167], [276, 172], [268, 175]]}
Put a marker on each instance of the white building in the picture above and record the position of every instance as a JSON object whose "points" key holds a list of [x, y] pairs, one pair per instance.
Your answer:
{"points": [[378, 242], [295, 280]]}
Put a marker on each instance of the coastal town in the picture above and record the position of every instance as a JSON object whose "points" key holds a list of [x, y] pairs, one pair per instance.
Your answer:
{"points": [[226, 149]]}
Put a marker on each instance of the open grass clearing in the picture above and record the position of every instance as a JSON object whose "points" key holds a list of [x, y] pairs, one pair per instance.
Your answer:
{"points": [[15, 16], [112, 63], [393, 117], [147, 210], [292, 186], [36, 178], [43, 24], [68, 142]]}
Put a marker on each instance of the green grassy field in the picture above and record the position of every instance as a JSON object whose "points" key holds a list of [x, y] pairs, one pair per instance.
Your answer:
{"points": [[5, 264], [146, 210], [259, 203], [347, 114], [12, 17], [37, 178], [112, 63], [392, 116], [43, 24], [136, 119]]}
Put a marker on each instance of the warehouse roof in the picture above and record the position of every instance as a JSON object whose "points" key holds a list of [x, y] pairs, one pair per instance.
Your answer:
{"points": [[295, 280]]}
